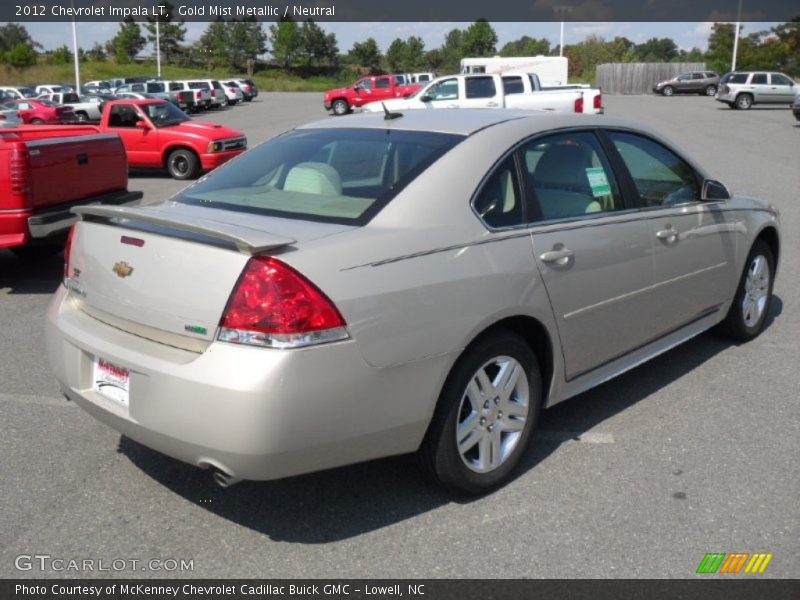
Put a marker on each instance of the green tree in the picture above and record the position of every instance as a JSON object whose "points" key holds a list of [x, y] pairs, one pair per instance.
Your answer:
{"points": [[396, 55], [789, 35], [60, 56], [316, 46], [171, 34], [247, 39], [96, 54], [20, 56], [526, 46], [434, 59], [415, 54], [657, 50], [213, 44], [13, 34], [451, 52], [286, 41], [480, 39], [128, 42], [367, 54]]}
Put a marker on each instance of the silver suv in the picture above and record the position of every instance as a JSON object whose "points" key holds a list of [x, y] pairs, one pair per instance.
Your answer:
{"points": [[743, 89]]}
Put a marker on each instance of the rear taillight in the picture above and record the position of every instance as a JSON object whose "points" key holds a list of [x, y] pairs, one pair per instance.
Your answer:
{"points": [[598, 101], [20, 176], [67, 250], [579, 104], [274, 306], [199, 95], [232, 90]]}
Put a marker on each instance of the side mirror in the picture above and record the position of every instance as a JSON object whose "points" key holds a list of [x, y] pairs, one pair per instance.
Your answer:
{"points": [[425, 98], [714, 190], [142, 124]]}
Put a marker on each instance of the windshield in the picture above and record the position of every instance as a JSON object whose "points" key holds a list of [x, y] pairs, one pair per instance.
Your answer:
{"points": [[333, 175], [46, 102], [164, 114], [27, 92]]}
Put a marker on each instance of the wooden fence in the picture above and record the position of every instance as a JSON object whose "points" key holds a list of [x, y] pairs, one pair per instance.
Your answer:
{"points": [[639, 78]]}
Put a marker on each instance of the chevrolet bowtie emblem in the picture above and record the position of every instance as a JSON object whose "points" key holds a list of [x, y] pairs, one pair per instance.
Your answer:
{"points": [[122, 269]]}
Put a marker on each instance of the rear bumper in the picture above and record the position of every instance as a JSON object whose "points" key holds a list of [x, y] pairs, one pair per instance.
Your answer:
{"points": [[253, 413], [212, 161], [18, 228]]}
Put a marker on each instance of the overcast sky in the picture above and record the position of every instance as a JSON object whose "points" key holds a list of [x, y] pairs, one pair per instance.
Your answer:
{"points": [[686, 35]]}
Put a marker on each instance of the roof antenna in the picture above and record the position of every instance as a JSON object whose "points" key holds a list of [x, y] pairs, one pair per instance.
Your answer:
{"points": [[388, 116]]}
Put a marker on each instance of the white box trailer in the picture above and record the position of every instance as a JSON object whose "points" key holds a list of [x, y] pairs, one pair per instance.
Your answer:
{"points": [[552, 70]]}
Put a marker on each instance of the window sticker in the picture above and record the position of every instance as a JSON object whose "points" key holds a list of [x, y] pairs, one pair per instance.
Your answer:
{"points": [[598, 181]]}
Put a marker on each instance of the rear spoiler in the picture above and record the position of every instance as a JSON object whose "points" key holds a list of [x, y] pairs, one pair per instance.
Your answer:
{"points": [[246, 240]]}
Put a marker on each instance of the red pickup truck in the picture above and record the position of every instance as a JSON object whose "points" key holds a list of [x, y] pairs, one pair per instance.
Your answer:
{"points": [[157, 134], [45, 171], [367, 89]]}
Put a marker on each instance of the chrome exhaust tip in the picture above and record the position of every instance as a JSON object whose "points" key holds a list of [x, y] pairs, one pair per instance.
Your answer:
{"points": [[224, 480]]}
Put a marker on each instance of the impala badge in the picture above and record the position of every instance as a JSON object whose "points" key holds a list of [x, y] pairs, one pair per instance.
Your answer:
{"points": [[122, 269]]}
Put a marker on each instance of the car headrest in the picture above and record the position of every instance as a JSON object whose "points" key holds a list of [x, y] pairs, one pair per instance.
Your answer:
{"points": [[563, 164], [313, 178]]}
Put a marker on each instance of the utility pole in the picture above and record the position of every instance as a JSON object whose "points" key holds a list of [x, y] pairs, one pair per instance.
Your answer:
{"points": [[158, 50], [736, 36], [75, 50], [561, 41]]}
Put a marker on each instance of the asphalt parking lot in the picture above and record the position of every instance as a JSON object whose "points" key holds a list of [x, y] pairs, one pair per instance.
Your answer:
{"points": [[697, 451]]}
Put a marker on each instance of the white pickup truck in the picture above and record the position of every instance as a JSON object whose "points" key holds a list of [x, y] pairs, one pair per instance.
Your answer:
{"points": [[507, 90], [86, 108]]}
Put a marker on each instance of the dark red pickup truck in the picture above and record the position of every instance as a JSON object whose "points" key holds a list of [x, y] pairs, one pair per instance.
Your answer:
{"points": [[367, 89], [45, 171]]}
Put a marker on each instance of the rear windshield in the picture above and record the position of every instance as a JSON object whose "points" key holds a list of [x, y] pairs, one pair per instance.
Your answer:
{"points": [[330, 175], [199, 85]]}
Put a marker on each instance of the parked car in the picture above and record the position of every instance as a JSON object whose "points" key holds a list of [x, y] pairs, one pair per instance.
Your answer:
{"points": [[422, 77], [114, 83], [190, 97], [85, 108], [159, 135], [44, 172], [99, 85], [158, 89], [40, 111], [517, 90], [249, 88], [744, 89], [232, 92], [135, 96], [704, 83], [19, 93], [310, 306], [214, 87], [9, 118], [246, 95], [51, 88], [204, 94], [367, 89], [796, 108]]}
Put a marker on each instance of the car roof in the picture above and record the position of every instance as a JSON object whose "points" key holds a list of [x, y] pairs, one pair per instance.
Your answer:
{"points": [[466, 121]]}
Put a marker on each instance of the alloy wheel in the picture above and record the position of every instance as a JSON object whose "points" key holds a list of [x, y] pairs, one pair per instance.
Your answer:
{"points": [[756, 291]]}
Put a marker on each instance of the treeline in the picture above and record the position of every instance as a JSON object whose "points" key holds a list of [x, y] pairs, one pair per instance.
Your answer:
{"points": [[306, 48]]}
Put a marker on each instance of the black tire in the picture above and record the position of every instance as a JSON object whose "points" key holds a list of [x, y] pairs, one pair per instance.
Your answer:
{"points": [[37, 122], [225, 102], [183, 164], [248, 99], [710, 90], [340, 107], [81, 117], [744, 101], [668, 90], [439, 455], [33, 252], [735, 325]]}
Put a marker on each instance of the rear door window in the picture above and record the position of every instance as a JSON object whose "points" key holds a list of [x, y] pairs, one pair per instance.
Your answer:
{"points": [[759, 79], [383, 83], [480, 87], [513, 85]]}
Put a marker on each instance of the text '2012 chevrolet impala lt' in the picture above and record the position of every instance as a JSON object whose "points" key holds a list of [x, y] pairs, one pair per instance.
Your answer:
{"points": [[371, 286]]}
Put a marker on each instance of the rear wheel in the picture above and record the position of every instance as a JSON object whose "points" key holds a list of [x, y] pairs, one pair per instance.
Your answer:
{"points": [[668, 90], [81, 117], [37, 122], [744, 101], [746, 316], [183, 164], [340, 107], [224, 102], [485, 416], [711, 90]]}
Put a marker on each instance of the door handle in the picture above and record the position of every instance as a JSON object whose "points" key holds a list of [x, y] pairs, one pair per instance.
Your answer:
{"points": [[669, 234], [492, 104], [560, 256]]}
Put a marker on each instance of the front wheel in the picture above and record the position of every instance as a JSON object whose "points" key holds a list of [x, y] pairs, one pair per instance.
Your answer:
{"points": [[81, 117], [183, 164], [37, 122], [485, 416], [711, 90], [746, 316], [668, 90], [340, 107]]}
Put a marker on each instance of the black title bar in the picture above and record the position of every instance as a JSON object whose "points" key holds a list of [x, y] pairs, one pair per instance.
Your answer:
{"points": [[407, 10]]}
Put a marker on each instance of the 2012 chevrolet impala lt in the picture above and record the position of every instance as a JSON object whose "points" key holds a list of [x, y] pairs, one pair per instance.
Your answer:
{"points": [[382, 284]]}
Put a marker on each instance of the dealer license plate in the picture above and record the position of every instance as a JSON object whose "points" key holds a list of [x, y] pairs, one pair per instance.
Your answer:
{"points": [[110, 380]]}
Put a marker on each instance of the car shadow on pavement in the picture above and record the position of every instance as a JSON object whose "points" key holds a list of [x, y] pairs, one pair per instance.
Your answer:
{"points": [[35, 276], [349, 501]]}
